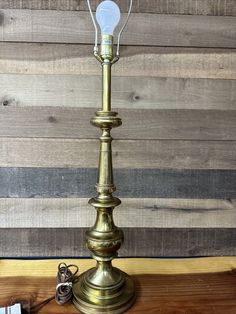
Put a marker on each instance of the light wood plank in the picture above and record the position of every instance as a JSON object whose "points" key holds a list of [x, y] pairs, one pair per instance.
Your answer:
{"points": [[76, 27], [202, 7], [127, 92], [149, 266], [33, 58], [148, 213], [62, 153], [137, 124], [42, 242]]}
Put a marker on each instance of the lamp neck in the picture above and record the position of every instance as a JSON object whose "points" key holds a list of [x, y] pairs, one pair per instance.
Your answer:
{"points": [[107, 47], [106, 57]]}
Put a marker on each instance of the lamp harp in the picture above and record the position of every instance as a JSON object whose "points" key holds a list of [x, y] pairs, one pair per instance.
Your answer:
{"points": [[104, 288]]}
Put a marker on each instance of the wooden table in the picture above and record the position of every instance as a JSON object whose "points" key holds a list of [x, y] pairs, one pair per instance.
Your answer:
{"points": [[164, 286]]}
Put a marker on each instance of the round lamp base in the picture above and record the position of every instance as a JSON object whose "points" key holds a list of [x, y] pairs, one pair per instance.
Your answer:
{"points": [[94, 299]]}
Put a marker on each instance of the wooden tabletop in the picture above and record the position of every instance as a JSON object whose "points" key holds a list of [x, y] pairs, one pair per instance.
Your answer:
{"points": [[196, 286]]}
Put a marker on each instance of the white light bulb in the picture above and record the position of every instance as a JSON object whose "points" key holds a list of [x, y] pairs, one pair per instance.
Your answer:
{"points": [[108, 16]]}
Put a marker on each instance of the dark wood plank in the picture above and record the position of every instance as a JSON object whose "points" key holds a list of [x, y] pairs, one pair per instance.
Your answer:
{"points": [[143, 29], [127, 92], [79, 182], [152, 242], [137, 124], [34, 58], [202, 7]]}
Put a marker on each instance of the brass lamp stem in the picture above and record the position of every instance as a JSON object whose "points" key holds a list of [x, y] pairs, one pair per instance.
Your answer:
{"points": [[104, 288], [106, 86]]}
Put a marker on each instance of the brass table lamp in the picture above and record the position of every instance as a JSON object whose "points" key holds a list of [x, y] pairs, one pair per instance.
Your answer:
{"points": [[104, 288]]}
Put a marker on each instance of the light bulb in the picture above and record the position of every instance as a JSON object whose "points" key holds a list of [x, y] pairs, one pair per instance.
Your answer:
{"points": [[108, 16]]}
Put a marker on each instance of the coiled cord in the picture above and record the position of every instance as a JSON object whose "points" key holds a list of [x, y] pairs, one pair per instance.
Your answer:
{"points": [[65, 280]]}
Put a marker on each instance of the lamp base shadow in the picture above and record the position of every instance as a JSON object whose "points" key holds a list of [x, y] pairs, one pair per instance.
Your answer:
{"points": [[94, 299]]}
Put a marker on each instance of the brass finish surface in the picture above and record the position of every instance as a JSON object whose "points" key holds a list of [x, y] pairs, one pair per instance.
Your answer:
{"points": [[104, 289], [104, 299]]}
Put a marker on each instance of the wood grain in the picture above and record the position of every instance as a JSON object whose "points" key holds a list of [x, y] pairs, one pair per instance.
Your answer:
{"points": [[76, 27], [56, 122], [179, 132], [201, 293], [134, 266], [198, 293], [127, 92], [76, 153], [202, 7], [179, 62], [148, 213], [131, 182], [152, 242]]}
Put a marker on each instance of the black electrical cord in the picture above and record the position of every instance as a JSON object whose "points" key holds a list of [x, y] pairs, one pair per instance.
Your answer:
{"points": [[65, 280]]}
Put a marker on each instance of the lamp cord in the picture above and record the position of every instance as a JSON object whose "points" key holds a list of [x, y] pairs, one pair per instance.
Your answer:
{"points": [[65, 280]]}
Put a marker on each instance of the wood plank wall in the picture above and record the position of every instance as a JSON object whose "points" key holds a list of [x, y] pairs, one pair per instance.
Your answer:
{"points": [[174, 156]]}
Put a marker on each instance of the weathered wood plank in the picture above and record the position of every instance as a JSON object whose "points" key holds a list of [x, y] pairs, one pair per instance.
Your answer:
{"points": [[127, 92], [31, 242], [79, 182], [76, 27], [202, 7], [137, 124], [33, 58], [148, 213], [62, 153]]}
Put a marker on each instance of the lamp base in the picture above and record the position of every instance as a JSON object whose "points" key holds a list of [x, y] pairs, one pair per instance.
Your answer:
{"points": [[90, 298]]}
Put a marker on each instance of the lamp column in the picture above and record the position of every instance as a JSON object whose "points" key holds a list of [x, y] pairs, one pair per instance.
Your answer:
{"points": [[104, 288]]}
